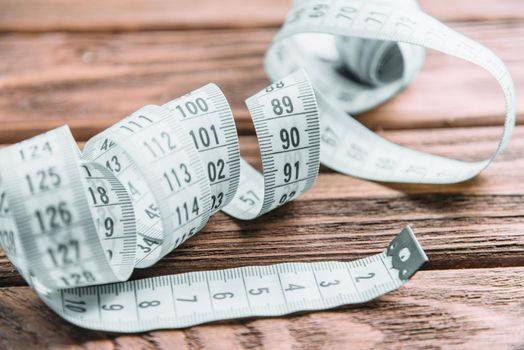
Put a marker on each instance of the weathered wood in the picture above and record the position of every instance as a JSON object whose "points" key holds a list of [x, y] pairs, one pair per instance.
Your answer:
{"points": [[472, 224], [92, 80], [89, 63], [100, 15], [463, 309]]}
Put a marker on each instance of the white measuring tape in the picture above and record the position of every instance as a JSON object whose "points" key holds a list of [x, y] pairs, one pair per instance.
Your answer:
{"points": [[381, 45], [73, 221]]}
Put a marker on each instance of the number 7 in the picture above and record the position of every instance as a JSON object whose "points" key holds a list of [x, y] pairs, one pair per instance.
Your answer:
{"points": [[194, 299]]}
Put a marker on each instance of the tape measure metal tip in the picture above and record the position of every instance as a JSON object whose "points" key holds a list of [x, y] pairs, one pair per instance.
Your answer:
{"points": [[407, 253]]}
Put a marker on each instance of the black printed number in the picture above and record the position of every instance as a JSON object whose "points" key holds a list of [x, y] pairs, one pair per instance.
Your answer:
{"points": [[75, 305], [193, 107], [286, 197], [346, 12], [216, 201], [160, 146], [65, 253], [282, 105], [114, 165], [53, 217], [99, 194], [194, 299], [112, 307], [109, 225], [370, 275], [203, 138], [174, 178], [329, 284], [258, 291], [318, 11], [36, 151], [291, 171], [43, 180], [146, 304], [75, 279], [278, 85], [184, 211], [7, 240], [215, 171], [290, 138], [225, 295], [250, 197]]}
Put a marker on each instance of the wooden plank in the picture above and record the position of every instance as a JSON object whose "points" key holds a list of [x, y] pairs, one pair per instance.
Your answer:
{"points": [[122, 15], [478, 223], [100, 15], [91, 80], [466, 309]]}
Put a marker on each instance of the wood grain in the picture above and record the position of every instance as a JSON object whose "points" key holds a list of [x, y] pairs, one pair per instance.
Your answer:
{"points": [[89, 63], [449, 309], [92, 80], [133, 15]]}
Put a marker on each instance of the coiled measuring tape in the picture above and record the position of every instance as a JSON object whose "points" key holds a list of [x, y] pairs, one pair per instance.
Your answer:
{"points": [[151, 181], [72, 222]]}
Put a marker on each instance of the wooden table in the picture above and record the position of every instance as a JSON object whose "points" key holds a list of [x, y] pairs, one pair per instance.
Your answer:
{"points": [[90, 62]]}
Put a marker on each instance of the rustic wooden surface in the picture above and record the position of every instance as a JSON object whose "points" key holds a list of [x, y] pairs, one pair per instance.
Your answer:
{"points": [[89, 63]]}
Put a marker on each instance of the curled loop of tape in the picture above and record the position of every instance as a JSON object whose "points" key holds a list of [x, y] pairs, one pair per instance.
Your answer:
{"points": [[360, 53], [76, 224]]}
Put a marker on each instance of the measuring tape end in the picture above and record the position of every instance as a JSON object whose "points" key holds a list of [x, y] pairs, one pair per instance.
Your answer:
{"points": [[406, 253]]}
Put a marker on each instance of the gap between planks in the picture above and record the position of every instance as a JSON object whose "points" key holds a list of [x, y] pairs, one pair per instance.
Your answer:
{"points": [[136, 15], [90, 81]]}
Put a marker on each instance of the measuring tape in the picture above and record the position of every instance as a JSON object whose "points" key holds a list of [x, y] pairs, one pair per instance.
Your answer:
{"points": [[360, 53], [76, 224]]}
